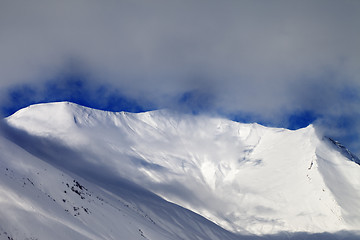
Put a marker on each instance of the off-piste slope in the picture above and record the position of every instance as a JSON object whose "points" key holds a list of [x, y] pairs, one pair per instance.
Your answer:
{"points": [[40, 201], [245, 177]]}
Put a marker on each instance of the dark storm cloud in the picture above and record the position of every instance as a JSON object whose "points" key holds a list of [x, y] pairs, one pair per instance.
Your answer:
{"points": [[270, 59]]}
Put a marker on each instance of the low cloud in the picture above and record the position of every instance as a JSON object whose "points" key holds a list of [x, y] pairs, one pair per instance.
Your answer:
{"points": [[268, 60]]}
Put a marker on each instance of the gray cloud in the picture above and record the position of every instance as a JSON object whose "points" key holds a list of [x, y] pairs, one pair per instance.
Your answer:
{"points": [[266, 58]]}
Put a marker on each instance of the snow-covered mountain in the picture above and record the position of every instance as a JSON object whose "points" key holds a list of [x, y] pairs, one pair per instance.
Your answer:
{"points": [[70, 172]]}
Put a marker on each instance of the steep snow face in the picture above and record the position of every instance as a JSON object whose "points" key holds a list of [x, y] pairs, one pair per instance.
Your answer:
{"points": [[245, 177], [40, 201]]}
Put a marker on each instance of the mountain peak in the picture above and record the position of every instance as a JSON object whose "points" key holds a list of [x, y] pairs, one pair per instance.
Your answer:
{"points": [[245, 177]]}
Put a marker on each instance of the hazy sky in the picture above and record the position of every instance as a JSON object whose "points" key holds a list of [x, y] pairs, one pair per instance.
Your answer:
{"points": [[284, 63]]}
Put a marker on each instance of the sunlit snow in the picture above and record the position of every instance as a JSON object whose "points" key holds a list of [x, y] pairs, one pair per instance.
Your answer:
{"points": [[91, 174]]}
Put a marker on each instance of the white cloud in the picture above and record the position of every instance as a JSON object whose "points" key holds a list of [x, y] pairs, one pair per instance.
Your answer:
{"points": [[268, 58]]}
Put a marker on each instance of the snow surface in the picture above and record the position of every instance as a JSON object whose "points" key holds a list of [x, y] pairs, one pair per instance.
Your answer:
{"points": [[246, 178], [40, 201]]}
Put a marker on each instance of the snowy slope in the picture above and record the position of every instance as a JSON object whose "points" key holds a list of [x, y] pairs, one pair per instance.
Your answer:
{"points": [[247, 178], [40, 201]]}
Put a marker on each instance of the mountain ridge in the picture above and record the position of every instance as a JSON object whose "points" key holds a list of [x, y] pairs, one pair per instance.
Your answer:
{"points": [[204, 164]]}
